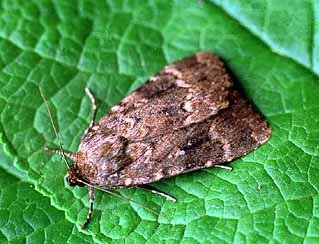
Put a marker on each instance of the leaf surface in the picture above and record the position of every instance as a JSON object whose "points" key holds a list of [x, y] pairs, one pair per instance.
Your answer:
{"points": [[271, 47]]}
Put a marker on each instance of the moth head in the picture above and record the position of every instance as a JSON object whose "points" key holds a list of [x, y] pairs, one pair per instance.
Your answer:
{"points": [[73, 177]]}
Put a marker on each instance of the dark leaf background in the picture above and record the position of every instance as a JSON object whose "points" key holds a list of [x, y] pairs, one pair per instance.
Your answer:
{"points": [[272, 48]]}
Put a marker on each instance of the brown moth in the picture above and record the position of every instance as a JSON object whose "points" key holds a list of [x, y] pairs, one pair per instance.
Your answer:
{"points": [[187, 117]]}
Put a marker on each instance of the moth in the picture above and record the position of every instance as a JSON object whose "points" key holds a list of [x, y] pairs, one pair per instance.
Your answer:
{"points": [[189, 116]]}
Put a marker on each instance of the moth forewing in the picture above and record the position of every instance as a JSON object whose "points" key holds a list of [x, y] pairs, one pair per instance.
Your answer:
{"points": [[188, 116]]}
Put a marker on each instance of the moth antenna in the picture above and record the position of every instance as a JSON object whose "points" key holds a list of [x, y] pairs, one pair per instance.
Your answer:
{"points": [[61, 151], [120, 196]]}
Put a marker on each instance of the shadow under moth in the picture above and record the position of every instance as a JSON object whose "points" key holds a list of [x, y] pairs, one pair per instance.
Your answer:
{"points": [[189, 116]]}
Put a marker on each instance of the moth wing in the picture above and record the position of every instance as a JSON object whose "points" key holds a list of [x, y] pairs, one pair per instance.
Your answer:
{"points": [[232, 133], [101, 155], [185, 92]]}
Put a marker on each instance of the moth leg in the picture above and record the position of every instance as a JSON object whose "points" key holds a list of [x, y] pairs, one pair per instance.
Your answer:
{"points": [[94, 108], [155, 191], [90, 213], [223, 167], [70, 155]]}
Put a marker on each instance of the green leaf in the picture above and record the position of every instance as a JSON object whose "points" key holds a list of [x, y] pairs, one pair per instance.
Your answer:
{"points": [[272, 49], [26, 216]]}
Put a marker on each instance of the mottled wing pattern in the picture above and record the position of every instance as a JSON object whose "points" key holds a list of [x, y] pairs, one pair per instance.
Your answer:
{"points": [[185, 92], [182, 93], [186, 117], [233, 132], [101, 154]]}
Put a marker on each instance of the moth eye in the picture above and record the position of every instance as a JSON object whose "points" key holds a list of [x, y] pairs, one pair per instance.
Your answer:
{"points": [[70, 182]]}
